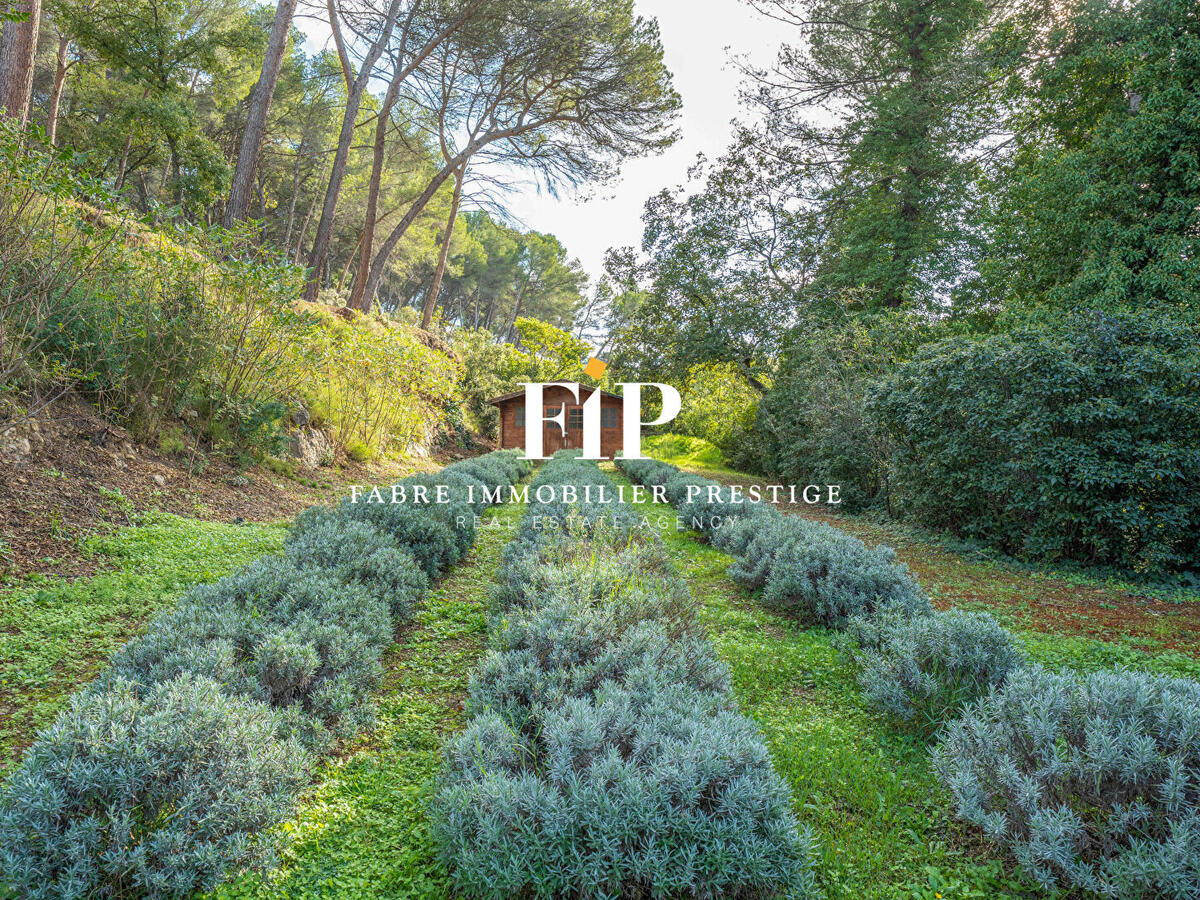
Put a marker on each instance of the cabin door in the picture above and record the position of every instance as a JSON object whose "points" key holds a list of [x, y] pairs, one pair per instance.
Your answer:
{"points": [[552, 437]]}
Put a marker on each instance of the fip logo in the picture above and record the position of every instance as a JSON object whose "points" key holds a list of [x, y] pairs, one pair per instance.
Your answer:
{"points": [[631, 414]]}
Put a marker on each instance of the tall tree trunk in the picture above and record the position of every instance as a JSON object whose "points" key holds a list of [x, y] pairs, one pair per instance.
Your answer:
{"points": [[510, 332], [18, 45], [291, 218], [303, 232], [255, 132], [435, 288], [385, 252], [124, 163], [370, 219], [358, 298], [60, 79], [356, 89]]}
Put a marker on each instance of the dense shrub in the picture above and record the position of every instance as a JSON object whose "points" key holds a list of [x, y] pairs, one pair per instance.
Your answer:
{"points": [[1091, 781], [592, 613], [158, 777], [647, 471], [822, 574], [1077, 441], [149, 796], [423, 530], [277, 633], [604, 757], [718, 407], [644, 790], [678, 484], [927, 668], [356, 553], [815, 425]]}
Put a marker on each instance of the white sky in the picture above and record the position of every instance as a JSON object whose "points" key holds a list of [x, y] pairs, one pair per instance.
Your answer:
{"points": [[697, 39]]}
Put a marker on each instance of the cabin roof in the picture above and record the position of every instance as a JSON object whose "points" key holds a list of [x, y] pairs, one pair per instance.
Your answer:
{"points": [[512, 395]]}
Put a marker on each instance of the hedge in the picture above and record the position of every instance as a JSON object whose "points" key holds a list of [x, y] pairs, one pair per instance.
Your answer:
{"points": [[1090, 781], [1076, 442], [177, 765], [605, 757]]}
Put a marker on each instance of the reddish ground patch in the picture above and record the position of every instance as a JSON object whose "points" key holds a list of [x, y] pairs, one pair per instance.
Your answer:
{"points": [[62, 492], [1033, 600]]}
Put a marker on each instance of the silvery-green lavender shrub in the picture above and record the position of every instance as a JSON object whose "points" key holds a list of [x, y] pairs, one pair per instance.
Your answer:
{"points": [[276, 633], [735, 534], [492, 472], [925, 669], [715, 507], [644, 789], [604, 758], [593, 620], [587, 564], [1091, 781], [678, 485], [647, 471], [824, 575], [462, 487], [357, 553], [425, 533], [154, 796]]}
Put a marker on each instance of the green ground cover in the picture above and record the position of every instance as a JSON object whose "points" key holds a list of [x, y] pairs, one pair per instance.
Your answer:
{"points": [[860, 779], [55, 634], [361, 832], [685, 451]]}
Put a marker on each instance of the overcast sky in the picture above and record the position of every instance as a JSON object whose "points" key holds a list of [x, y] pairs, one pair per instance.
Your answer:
{"points": [[698, 37]]}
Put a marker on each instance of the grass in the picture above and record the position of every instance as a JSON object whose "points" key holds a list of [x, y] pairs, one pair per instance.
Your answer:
{"points": [[361, 832], [861, 781], [1098, 618], [55, 634], [685, 452]]}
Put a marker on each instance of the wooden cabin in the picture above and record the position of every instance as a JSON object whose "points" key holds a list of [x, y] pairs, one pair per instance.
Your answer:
{"points": [[512, 420]]}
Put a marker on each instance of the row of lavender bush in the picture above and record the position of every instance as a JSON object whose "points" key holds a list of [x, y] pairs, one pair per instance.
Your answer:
{"points": [[1092, 781], [175, 766], [605, 756]]}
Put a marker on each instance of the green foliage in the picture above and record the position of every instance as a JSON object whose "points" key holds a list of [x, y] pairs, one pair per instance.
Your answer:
{"points": [[816, 425], [718, 406], [866, 789], [151, 795], [808, 568], [1092, 453], [682, 450], [502, 274], [275, 633], [1097, 207], [482, 377], [1091, 781], [356, 553], [927, 668], [603, 751], [303, 640], [53, 633]]}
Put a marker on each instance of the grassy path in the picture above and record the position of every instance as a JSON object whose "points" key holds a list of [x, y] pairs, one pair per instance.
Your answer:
{"points": [[361, 832], [861, 783], [55, 634], [1065, 618]]}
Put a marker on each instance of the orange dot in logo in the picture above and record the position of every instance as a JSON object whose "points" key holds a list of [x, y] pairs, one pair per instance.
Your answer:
{"points": [[594, 368]]}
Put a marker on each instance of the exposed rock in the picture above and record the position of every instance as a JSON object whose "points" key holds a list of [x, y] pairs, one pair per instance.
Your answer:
{"points": [[300, 416], [158, 479], [16, 447], [311, 447]]}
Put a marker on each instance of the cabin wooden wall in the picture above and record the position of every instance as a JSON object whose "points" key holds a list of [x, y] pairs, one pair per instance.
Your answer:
{"points": [[512, 437]]}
